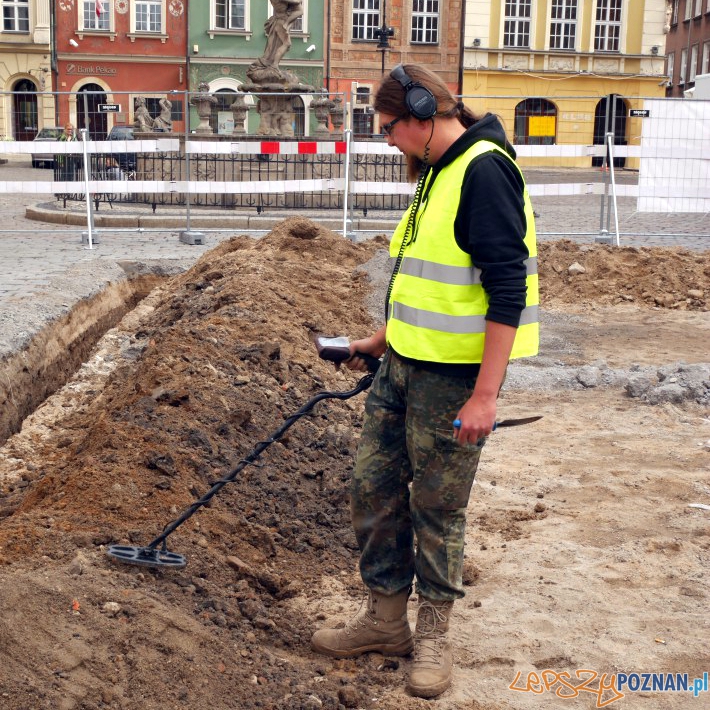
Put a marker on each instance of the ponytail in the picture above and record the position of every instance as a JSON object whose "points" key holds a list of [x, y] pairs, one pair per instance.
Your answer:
{"points": [[463, 113]]}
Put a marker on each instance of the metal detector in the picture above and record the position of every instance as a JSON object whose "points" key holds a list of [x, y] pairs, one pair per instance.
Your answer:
{"points": [[333, 349]]}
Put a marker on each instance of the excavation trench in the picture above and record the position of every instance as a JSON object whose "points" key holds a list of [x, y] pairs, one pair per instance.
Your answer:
{"points": [[50, 357]]}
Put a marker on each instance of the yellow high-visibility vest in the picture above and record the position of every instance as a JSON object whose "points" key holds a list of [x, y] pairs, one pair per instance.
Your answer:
{"points": [[437, 307]]}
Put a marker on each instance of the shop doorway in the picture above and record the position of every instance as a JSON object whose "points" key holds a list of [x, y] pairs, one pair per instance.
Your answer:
{"points": [[610, 116], [24, 110], [87, 111]]}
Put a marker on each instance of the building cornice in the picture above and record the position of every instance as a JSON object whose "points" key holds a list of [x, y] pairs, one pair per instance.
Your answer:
{"points": [[120, 59], [558, 53], [545, 73]]}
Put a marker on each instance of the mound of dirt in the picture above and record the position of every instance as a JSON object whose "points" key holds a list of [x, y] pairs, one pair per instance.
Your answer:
{"points": [[208, 366], [605, 275]]}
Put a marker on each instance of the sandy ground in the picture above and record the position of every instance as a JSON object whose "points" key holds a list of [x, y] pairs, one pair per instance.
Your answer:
{"points": [[585, 553]]}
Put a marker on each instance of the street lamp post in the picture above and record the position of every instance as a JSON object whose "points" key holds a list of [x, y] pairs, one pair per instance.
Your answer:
{"points": [[382, 34]]}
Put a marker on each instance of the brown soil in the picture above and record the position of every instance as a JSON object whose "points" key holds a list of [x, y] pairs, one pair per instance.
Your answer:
{"points": [[564, 531], [676, 279]]}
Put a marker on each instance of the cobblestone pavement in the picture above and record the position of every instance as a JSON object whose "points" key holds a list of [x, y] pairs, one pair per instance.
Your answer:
{"points": [[33, 253]]}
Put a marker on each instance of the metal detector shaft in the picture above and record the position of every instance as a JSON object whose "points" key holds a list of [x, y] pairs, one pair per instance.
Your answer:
{"points": [[361, 386]]}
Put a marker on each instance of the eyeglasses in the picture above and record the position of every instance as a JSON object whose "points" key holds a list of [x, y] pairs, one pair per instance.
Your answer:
{"points": [[387, 127]]}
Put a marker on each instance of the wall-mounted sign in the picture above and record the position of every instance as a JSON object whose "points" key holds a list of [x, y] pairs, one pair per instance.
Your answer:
{"points": [[639, 113], [109, 108], [91, 69]]}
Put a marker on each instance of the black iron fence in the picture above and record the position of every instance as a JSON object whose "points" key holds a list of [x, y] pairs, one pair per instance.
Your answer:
{"points": [[237, 180]]}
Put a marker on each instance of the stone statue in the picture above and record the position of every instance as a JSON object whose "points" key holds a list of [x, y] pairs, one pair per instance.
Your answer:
{"points": [[203, 101], [274, 86], [278, 28], [276, 116], [164, 122], [278, 41], [142, 120]]}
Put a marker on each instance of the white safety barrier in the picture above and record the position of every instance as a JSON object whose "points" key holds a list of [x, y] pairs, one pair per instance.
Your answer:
{"points": [[673, 174], [677, 151], [161, 145]]}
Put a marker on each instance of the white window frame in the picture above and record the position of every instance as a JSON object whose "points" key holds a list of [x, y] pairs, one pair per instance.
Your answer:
{"points": [[682, 74], [107, 13], [705, 64], [698, 9], [605, 28], [693, 68], [214, 30], [134, 19], [363, 120], [517, 23], [213, 17], [674, 18], [428, 22], [367, 14], [18, 17], [363, 95], [688, 9], [566, 39], [670, 64], [300, 27]]}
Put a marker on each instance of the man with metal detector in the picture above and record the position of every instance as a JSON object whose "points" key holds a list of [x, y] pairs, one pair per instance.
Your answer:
{"points": [[462, 301]]}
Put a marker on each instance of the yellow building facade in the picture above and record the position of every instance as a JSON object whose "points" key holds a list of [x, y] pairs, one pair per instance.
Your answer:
{"points": [[564, 72], [26, 101]]}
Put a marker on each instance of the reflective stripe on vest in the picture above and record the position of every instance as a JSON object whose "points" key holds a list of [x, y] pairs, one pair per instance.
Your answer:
{"points": [[438, 306], [454, 275], [459, 325]]}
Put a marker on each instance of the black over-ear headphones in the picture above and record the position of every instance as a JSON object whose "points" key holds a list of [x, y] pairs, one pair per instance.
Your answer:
{"points": [[419, 100]]}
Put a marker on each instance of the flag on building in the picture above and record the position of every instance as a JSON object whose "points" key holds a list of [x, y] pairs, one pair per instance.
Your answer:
{"points": [[99, 8]]}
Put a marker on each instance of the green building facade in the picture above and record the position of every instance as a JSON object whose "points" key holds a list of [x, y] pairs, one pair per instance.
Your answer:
{"points": [[226, 36]]}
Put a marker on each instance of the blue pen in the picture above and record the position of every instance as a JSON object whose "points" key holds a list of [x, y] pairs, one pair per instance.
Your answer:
{"points": [[457, 424], [505, 422]]}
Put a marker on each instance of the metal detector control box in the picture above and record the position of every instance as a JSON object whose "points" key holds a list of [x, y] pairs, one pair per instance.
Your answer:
{"points": [[337, 349], [333, 349]]}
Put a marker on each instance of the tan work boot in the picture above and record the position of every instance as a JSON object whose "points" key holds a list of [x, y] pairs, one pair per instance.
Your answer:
{"points": [[430, 674], [381, 626]]}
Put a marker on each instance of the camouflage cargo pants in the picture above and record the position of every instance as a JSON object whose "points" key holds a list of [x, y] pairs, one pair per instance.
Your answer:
{"points": [[412, 481]]}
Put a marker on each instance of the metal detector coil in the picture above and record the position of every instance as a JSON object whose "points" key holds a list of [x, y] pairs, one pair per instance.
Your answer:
{"points": [[146, 556]]}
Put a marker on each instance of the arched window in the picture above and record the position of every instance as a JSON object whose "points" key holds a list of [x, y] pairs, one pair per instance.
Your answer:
{"points": [[535, 122], [299, 116]]}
